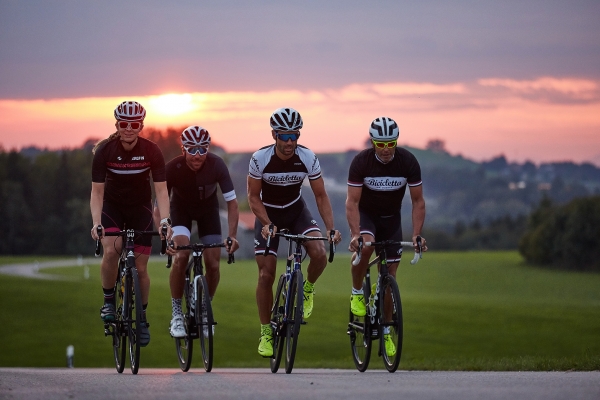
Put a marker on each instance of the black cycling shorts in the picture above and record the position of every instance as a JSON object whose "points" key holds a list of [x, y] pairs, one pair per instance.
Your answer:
{"points": [[296, 218], [118, 217], [384, 228], [207, 219]]}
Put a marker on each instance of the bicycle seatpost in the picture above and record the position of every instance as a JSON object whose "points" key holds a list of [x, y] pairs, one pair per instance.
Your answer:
{"points": [[99, 233], [269, 239], [231, 258], [331, 245]]}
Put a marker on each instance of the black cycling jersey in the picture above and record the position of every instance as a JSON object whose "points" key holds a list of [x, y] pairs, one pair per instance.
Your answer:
{"points": [[127, 173], [194, 190], [282, 179], [383, 185]]}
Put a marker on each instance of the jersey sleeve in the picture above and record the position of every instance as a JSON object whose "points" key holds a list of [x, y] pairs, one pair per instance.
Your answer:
{"points": [[414, 175], [99, 166], [355, 177], [255, 170], [157, 164], [225, 182]]}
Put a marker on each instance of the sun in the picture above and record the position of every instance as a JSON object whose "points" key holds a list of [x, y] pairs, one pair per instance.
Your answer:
{"points": [[172, 104]]}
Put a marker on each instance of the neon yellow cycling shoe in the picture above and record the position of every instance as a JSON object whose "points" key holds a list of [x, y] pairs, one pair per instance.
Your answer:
{"points": [[309, 293], [265, 345], [357, 305], [390, 347]]}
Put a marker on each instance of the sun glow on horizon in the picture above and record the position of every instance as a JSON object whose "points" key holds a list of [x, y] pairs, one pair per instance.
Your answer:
{"points": [[172, 104]]}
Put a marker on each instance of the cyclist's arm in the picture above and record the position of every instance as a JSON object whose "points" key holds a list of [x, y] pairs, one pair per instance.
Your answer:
{"points": [[156, 216], [162, 199], [256, 204], [233, 215], [96, 200], [418, 212], [323, 203], [353, 215]]}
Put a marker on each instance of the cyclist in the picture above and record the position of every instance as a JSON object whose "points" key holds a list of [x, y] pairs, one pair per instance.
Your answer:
{"points": [[121, 198], [192, 180], [377, 182], [275, 179]]}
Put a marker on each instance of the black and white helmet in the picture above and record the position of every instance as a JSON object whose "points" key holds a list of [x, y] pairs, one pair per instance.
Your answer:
{"points": [[384, 129], [195, 136], [130, 111], [286, 119]]}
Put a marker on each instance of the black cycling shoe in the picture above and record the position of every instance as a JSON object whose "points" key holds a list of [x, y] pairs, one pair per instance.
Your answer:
{"points": [[107, 313], [144, 337]]}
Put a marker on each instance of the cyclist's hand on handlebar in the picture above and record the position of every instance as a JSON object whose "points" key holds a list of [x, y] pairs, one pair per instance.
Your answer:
{"points": [[95, 232], [171, 248], [234, 245], [265, 231], [169, 232], [353, 247], [423, 243], [337, 237]]}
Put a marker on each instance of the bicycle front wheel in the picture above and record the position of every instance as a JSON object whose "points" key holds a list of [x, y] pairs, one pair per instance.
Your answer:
{"points": [[185, 345], [119, 334], [294, 319], [277, 325], [134, 319], [359, 330], [391, 324], [205, 322]]}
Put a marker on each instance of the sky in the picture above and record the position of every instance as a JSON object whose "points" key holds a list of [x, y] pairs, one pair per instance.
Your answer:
{"points": [[489, 78]]}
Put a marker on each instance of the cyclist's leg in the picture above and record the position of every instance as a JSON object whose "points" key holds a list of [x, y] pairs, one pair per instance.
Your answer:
{"points": [[209, 231], [112, 222], [357, 299], [181, 237], [213, 274]]}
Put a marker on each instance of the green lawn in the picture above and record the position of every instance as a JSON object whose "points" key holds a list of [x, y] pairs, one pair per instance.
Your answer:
{"points": [[462, 311]]}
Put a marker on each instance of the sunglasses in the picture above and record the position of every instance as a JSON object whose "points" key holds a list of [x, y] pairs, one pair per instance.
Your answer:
{"points": [[202, 150], [287, 136], [130, 125], [382, 145]]}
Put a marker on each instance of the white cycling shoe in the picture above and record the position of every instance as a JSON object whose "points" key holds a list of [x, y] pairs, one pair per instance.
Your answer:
{"points": [[177, 328]]}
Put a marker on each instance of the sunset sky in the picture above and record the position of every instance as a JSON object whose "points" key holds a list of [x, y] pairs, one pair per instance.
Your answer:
{"points": [[519, 78]]}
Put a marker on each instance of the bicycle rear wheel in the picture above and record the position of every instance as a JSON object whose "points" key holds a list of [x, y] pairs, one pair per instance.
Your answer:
{"points": [[391, 319], [119, 334], [205, 322], [359, 330], [277, 325], [184, 346], [294, 319], [134, 319]]}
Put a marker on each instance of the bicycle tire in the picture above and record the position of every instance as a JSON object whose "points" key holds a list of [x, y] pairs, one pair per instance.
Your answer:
{"points": [[204, 312], [294, 318], [277, 325], [359, 330], [119, 334], [390, 299], [185, 346], [135, 317]]}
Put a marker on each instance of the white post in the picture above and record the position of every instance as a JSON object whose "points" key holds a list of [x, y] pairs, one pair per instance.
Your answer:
{"points": [[70, 353]]}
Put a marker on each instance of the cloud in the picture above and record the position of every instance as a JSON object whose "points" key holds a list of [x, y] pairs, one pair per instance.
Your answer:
{"points": [[552, 89]]}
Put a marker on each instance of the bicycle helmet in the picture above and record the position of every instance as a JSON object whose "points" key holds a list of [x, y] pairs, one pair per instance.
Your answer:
{"points": [[286, 119], [384, 128], [195, 136], [130, 111]]}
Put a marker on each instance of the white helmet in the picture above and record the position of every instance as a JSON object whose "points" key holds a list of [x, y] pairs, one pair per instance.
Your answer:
{"points": [[195, 136], [130, 111], [384, 128], [286, 119]]}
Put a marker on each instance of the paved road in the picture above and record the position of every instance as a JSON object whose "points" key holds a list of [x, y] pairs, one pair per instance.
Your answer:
{"points": [[304, 384]]}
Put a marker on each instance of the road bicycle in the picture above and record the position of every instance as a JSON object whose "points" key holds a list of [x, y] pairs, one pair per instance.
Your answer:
{"points": [[129, 312], [288, 307], [198, 315], [384, 310]]}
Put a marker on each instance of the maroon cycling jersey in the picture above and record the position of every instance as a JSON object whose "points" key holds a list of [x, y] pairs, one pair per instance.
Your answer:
{"points": [[383, 185], [126, 174], [196, 189]]}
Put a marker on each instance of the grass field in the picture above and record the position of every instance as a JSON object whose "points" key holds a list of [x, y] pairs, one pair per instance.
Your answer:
{"points": [[462, 311]]}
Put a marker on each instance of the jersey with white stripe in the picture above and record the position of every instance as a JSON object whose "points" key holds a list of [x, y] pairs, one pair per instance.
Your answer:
{"points": [[282, 179], [383, 185], [126, 174]]}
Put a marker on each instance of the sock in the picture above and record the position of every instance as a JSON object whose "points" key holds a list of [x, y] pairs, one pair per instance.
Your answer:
{"points": [[265, 329], [357, 291], [176, 304], [109, 296], [308, 286]]}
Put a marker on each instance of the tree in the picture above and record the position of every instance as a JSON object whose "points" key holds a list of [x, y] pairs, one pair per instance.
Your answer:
{"points": [[565, 237]]}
